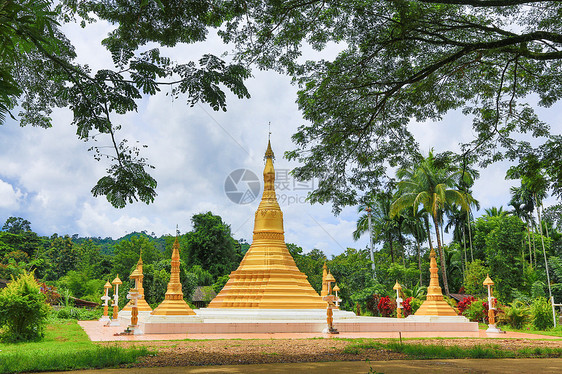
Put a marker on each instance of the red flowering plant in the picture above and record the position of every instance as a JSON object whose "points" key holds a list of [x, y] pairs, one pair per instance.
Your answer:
{"points": [[465, 303], [407, 307], [386, 306]]}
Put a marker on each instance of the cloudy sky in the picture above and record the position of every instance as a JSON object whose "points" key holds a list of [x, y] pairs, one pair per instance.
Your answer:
{"points": [[46, 175]]}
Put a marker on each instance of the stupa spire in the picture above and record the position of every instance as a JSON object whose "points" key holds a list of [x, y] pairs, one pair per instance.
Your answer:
{"points": [[268, 277], [434, 304], [142, 305], [173, 303]]}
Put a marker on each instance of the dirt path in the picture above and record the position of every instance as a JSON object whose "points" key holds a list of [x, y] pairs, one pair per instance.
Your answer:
{"points": [[498, 366], [263, 351]]}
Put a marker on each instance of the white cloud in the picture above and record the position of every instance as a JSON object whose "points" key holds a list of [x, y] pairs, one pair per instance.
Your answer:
{"points": [[9, 197], [193, 150]]}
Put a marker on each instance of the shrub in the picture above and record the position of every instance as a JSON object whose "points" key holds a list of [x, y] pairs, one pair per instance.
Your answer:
{"points": [[81, 314], [407, 307], [541, 314], [23, 311], [465, 303], [386, 306], [475, 311], [516, 315], [415, 304]]}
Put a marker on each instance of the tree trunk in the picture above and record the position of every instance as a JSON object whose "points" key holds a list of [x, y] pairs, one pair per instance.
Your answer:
{"points": [[401, 242], [535, 250], [391, 247], [441, 257], [545, 261], [464, 244], [470, 237], [428, 233], [419, 258], [529, 240]]}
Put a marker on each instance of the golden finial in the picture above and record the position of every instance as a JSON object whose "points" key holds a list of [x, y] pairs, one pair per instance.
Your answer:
{"points": [[269, 152]]}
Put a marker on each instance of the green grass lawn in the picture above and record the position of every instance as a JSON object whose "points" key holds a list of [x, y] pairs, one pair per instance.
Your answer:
{"points": [[528, 329], [65, 347], [437, 351]]}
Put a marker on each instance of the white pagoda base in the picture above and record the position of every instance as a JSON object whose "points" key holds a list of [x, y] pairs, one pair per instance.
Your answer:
{"points": [[161, 324], [226, 314]]}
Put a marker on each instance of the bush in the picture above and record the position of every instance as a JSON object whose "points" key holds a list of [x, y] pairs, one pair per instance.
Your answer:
{"points": [[219, 284], [23, 311], [465, 303], [541, 314], [476, 312], [386, 306], [407, 307], [80, 314], [415, 304], [516, 315]]}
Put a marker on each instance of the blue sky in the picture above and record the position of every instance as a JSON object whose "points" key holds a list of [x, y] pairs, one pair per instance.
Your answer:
{"points": [[46, 174]]}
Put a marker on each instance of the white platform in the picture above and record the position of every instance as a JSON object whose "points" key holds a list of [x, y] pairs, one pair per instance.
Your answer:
{"points": [[239, 321], [226, 314], [452, 319]]}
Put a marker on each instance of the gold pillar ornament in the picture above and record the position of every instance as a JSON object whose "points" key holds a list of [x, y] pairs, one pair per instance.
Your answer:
{"points": [[434, 304], [397, 287], [115, 318], [142, 305], [134, 296], [268, 277], [106, 299], [174, 304], [488, 282], [336, 290], [330, 300]]}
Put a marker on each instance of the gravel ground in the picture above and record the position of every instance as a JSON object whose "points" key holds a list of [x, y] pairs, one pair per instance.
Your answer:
{"points": [[233, 352]]}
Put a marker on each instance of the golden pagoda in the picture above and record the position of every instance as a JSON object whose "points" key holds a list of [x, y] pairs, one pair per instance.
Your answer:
{"points": [[268, 277], [174, 304], [434, 305], [142, 305]]}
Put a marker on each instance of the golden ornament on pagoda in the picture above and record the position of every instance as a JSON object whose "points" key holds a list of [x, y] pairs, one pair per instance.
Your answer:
{"points": [[268, 277], [434, 304], [142, 305], [174, 304], [397, 287], [324, 290]]}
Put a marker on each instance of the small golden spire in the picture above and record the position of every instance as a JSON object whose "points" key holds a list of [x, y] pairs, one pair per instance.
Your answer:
{"points": [[174, 303], [269, 152], [434, 304]]}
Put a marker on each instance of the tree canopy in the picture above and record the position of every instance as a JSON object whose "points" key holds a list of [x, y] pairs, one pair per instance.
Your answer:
{"points": [[38, 72], [400, 61], [404, 61]]}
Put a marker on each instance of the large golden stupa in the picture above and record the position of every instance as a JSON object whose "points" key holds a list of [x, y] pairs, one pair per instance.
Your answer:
{"points": [[268, 277]]}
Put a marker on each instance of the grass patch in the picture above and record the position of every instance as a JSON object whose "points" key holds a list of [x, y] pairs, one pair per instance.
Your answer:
{"points": [[435, 351], [65, 347], [557, 332]]}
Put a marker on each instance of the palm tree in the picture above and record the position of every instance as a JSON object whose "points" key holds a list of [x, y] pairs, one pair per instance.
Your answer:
{"points": [[495, 211], [376, 210], [414, 225], [430, 186], [523, 207]]}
